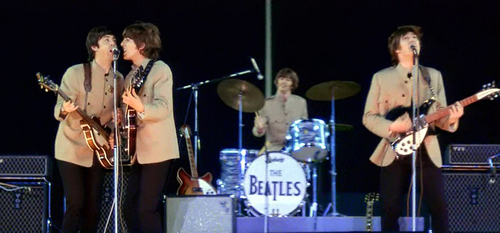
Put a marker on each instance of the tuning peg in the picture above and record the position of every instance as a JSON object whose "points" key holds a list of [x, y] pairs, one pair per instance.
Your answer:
{"points": [[493, 83], [46, 90]]}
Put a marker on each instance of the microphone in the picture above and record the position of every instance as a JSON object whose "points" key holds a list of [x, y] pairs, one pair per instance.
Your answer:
{"points": [[116, 53], [256, 68], [414, 49]]}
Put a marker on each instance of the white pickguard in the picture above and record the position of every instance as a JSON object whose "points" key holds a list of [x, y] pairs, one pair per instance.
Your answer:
{"points": [[404, 146], [206, 188]]}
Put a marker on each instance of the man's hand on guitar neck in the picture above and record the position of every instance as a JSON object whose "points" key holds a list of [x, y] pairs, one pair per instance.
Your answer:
{"points": [[132, 99], [68, 107], [456, 111]]}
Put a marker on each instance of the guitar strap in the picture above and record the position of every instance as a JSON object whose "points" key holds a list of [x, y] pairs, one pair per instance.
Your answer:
{"points": [[87, 83], [427, 77]]}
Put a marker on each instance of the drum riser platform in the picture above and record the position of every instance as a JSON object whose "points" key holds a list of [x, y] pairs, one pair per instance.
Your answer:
{"points": [[323, 224]]}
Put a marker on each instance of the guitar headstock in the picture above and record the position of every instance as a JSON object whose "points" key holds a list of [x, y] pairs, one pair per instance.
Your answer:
{"points": [[185, 131], [371, 197], [46, 84], [490, 91]]}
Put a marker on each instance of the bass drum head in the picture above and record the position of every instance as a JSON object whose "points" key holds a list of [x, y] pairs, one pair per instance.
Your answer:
{"points": [[284, 189]]}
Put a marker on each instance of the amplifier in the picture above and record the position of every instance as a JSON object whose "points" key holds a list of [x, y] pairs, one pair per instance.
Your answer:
{"points": [[24, 207], [471, 154], [106, 221], [210, 213], [473, 199], [24, 166]]}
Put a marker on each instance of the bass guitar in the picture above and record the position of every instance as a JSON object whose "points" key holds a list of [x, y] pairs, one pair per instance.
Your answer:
{"points": [[404, 144], [193, 185], [95, 135]]}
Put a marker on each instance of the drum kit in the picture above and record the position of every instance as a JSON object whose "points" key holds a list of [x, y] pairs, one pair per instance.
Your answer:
{"points": [[275, 183]]}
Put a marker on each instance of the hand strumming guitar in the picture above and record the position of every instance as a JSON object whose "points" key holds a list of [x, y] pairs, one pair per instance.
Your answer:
{"points": [[402, 124]]}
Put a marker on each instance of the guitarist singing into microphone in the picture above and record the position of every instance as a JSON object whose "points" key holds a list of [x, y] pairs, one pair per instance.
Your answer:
{"points": [[88, 89], [391, 88], [156, 143]]}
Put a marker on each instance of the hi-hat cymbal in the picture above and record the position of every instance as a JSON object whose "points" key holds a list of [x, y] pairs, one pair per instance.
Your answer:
{"points": [[252, 98], [337, 89], [343, 127]]}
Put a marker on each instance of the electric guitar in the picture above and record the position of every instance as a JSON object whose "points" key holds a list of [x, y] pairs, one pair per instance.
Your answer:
{"points": [[193, 185], [129, 126], [403, 144], [95, 135], [370, 199]]}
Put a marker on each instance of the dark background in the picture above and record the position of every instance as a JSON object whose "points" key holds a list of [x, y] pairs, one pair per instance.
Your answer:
{"points": [[321, 40]]}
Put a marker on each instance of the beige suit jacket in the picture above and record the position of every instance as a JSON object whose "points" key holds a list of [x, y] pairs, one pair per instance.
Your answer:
{"points": [[279, 115], [70, 145], [156, 132], [391, 88]]}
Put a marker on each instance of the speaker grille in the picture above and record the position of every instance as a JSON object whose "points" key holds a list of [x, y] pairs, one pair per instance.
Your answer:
{"points": [[107, 203], [212, 213], [473, 201], [24, 210], [471, 154]]}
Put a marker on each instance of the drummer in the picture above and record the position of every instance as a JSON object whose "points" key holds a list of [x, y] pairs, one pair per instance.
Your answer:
{"points": [[280, 111]]}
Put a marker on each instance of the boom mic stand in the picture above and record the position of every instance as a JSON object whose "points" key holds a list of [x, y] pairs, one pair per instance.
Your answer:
{"points": [[194, 92]]}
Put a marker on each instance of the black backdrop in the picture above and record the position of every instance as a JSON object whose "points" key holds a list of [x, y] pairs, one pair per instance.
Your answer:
{"points": [[321, 40]]}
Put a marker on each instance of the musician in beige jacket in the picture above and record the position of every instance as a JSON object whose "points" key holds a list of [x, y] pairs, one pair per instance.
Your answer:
{"points": [[391, 88], [156, 133], [80, 171], [280, 111]]}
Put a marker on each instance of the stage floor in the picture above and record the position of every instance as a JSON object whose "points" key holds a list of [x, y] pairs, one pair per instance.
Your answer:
{"points": [[319, 224]]}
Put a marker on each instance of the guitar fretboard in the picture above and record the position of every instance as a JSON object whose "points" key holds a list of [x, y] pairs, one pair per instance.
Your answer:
{"points": [[445, 112]]}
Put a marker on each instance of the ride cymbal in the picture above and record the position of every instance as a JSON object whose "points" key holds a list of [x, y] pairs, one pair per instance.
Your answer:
{"points": [[337, 89]]}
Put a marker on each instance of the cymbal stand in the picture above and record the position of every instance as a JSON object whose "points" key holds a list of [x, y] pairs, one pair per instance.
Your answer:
{"points": [[333, 172], [194, 91]]}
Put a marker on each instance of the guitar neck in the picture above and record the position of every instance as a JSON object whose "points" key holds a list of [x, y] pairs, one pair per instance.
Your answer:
{"points": [[445, 112], [192, 164], [369, 214], [85, 116]]}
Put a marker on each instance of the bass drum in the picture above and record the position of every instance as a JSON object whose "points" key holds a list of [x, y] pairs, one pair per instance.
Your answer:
{"points": [[284, 189]]}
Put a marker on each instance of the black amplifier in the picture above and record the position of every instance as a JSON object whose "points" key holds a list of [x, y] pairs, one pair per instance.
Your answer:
{"points": [[472, 154], [24, 166]]}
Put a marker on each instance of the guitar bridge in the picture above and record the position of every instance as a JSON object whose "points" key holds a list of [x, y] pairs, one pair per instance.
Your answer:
{"points": [[197, 189]]}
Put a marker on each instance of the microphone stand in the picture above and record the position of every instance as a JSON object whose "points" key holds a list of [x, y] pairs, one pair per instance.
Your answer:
{"points": [[414, 126], [194, 91], [116, 152]]}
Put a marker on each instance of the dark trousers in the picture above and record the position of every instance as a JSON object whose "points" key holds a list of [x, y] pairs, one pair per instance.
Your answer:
{"points": [[394, 183], [146, 183], [82, 189]]}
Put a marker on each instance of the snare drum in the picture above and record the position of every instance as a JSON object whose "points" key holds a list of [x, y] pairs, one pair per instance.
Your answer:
{"points": [[285, 186], [233, 168], [306, 140]]}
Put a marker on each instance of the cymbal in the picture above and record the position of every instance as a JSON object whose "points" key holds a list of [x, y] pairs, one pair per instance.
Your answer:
{"points": [[343, 127], [339, 89], [252, 98]]}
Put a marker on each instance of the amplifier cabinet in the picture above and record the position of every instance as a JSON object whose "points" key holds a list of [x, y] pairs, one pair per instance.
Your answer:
{"points": [[24, 207], [473, 198], [200, 214]]}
